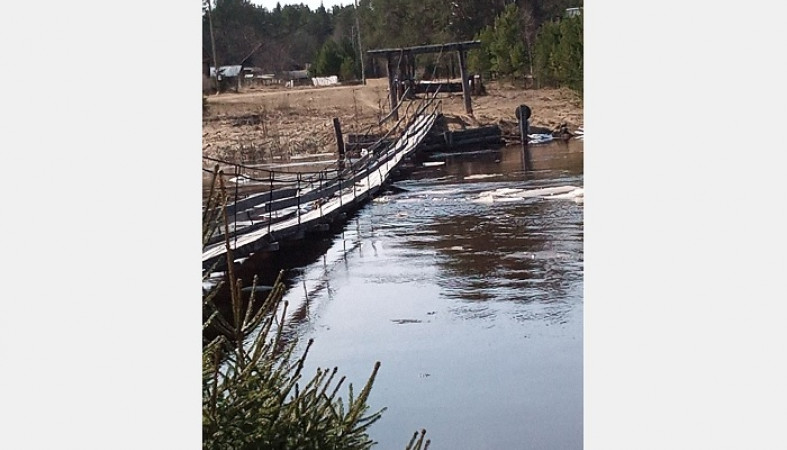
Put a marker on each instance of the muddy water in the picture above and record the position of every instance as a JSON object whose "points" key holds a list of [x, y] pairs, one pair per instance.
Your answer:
{"points": [[466, 283]]}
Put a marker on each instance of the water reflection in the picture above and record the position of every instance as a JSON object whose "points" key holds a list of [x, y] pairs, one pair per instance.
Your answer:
{"points": [[523, 252], [474, 308]]}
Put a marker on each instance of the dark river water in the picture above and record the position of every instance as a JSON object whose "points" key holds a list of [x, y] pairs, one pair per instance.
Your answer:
{"points": [[466, 283]]}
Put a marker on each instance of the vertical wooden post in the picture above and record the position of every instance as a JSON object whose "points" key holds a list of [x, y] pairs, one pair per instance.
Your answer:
{"points": [[523, 115], [392, 90], [400, 77], [360, 51], [337, 127], [465, 81], [213, 48], [298, 196]]}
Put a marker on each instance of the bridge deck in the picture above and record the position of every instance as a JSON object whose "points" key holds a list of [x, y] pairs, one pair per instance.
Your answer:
{"points": [[314, 203]]}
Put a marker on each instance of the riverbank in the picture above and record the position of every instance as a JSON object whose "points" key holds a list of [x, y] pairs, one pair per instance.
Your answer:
{"points": [[279, 123]]}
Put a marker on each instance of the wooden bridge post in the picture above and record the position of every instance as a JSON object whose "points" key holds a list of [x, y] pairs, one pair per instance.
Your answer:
{"points": [[465, 80], [392, 89], [298, 196], [401, 70], [337, 127], [523, 115]]}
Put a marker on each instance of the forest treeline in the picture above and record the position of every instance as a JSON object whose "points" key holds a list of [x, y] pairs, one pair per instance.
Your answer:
{"points": [[525, 38]]}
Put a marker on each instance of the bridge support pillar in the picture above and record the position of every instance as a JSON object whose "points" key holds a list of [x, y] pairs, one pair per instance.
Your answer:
{"points": [[465, 80], [393, 90], [337, 127], [523, 115]]}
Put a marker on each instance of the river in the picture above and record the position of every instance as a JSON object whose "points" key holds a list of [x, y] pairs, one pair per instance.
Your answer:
{"points": [[466, 282]]}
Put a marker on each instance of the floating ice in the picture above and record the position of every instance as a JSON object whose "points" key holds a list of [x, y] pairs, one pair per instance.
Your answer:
{"points": [[512, 195], [481, 176]]}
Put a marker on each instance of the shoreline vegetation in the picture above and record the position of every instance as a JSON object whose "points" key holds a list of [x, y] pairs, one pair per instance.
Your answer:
{"points": [[277, 123]]}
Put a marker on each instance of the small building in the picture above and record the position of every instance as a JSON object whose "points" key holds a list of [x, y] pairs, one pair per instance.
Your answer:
{"points": [[268, 79], [229, 77], [296, 78], [573, 12], [252, 77]]}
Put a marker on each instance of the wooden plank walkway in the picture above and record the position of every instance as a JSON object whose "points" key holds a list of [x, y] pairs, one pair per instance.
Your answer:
{"points": [[312, 203]]}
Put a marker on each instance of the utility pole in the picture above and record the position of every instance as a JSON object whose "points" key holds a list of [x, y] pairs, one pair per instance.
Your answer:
{"points": [[360, 48], [213, 47]]}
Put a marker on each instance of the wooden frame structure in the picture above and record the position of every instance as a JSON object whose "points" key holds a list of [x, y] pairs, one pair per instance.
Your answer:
{"points": [[407, 54]]}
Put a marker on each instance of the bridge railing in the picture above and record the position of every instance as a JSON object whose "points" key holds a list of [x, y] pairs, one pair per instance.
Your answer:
{"points": [[270, 196]]}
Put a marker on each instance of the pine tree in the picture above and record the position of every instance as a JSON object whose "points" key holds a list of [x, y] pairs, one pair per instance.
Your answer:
{"points": [[329, 60], [503, 51]]}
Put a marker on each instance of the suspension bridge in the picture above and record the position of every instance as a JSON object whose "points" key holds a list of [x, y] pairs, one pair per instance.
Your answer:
{"points": [[288, 206]]}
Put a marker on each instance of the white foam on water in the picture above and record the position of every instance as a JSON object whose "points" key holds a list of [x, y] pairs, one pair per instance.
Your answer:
{"points": [[481, 176], [576, 193], [508, 199], [409, 200], [487, 198], [439, 192], [512, 195], [507, 191], [545, 192]]}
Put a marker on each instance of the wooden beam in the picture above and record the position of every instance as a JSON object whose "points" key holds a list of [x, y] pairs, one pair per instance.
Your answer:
{"points": [[465, 81], [523, 114], [392, 90], [401, 70], [337, 128], [435, 48]]}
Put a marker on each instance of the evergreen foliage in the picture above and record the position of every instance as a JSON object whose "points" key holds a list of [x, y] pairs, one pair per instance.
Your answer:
{"points": [[328, 61], [479, 60], [335, 59], [511, 49], [507, 47], [254, 392], [290, 36], [559, 53]]}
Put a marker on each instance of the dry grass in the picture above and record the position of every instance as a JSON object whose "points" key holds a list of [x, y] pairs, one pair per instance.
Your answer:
{"points": [[264, 124]]}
